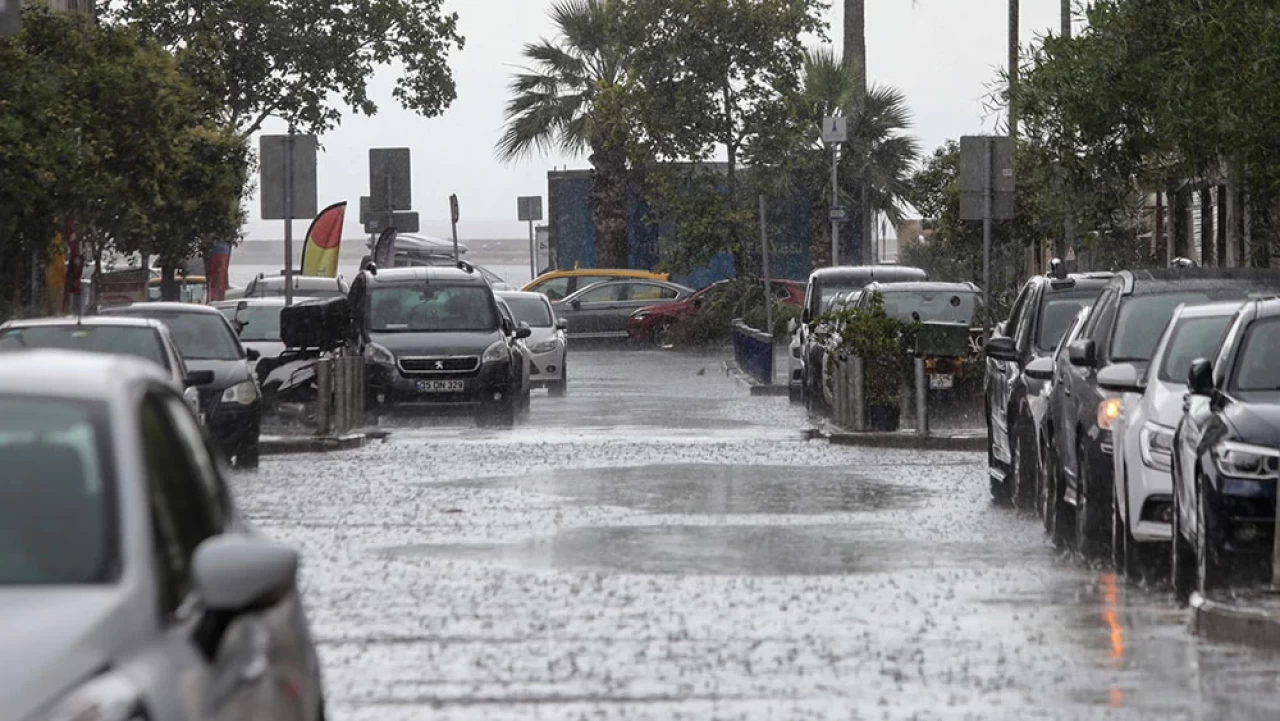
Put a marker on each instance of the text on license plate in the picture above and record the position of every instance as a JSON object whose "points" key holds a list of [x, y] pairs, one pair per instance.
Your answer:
{"points": [[441, 386], [941, 381]]}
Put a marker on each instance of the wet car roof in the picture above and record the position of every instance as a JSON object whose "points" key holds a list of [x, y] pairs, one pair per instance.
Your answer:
{"points": [[429, 274]]}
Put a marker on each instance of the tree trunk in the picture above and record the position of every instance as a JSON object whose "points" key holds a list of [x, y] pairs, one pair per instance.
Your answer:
{"points": [[1220, 227], [1207, 256], [855, 40], [169, 284], [1179, 227], [609, 207]]}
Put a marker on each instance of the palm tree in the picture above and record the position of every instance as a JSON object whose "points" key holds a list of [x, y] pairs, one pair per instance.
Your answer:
{"points": [[877, 156], [855, 39], [571, 97]]}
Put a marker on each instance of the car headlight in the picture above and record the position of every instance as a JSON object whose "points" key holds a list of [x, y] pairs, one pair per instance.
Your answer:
{"points": [[1243, 460], [1156, 446], [243, 393], [545, 346], [496, 353], [109, 697], [640, 315], [1108, 412], [375, 353]]}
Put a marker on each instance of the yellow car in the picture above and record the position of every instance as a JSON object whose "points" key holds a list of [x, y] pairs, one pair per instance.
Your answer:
{"points": [[560, 284]]}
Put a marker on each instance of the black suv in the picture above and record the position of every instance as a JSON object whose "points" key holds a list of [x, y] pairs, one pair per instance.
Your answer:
{"points": [[1040, 315], [435, 335], [1127, 321]]}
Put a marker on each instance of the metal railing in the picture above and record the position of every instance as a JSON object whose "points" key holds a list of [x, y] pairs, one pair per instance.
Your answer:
{"points": [[339, 394], [753, 351]]}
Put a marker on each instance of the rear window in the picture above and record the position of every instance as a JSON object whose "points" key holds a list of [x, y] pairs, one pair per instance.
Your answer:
{"points": [[931, 306], [56, 511], [199, 336], [1142, 321], [136, 341], [1056, 315], [533, 311]]}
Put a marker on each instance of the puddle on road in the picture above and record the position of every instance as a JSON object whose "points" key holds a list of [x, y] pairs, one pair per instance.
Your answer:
{"points": [[716, 489]]}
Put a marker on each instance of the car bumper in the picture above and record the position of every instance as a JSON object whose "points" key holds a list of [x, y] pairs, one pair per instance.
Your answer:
{"points": [[641, 330], [547, 367], [1150, 499], [234, 426], [1241, 516], [386, 384]]}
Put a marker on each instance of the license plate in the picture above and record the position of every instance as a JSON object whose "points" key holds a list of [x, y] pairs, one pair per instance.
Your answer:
{"points": [[441, 386], [941, 381]]}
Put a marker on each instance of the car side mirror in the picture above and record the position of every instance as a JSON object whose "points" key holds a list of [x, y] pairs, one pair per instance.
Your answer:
{"points": [[199, 378], [1040, 369], [1121, 378], [523, 331], [1083, 352], [252, 354], [576, 305], [562, 324], [242, 305], [239, 574], [1200, 377], [1002, 348]]}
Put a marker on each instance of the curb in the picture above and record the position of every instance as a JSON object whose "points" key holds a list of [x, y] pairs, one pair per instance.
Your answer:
{"points": [[286, 445], [756, 387], [1227, 622], [910, 441]]}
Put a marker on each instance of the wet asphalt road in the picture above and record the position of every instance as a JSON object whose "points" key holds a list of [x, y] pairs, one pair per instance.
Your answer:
{"points": [[660, 545]]}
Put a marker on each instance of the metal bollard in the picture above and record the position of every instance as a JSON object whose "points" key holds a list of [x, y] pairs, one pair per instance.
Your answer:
{"points": [[922, 398], [324, 392], [839, 402], [340, 396], [358, 391], [859, 404]]}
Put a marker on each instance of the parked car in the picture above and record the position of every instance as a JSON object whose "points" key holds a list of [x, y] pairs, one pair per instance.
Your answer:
{"points": [[547, 343], [1226, 454], [133, 587], [1151, 407], [271, 286], [231, 403], [560, 284], [191, 289], [520, 355], [824, 285], [435, 336], [653, 323], [257, 322], [602, 310], [1130, 315], [1041, 313]]}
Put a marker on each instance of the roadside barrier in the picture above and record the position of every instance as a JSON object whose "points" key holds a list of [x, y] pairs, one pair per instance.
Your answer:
{"points": [[753, 351], [340, 394], [849, 409]]}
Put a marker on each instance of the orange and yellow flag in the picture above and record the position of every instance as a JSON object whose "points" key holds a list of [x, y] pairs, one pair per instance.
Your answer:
{"points": [[324, 240]]}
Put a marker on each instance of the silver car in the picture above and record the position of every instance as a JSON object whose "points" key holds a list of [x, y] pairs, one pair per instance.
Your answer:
{"points": [[130, 585], [602, 310]]}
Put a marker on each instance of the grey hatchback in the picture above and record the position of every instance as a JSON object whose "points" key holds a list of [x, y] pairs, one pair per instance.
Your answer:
{"points": [[130, 586]]}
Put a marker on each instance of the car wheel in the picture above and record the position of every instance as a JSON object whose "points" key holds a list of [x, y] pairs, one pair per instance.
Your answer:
{"points": [[1119, 535], [1064, 514], [1044, 487], [1211, 574], [661, 334], [1182, 570], [248, 456], [1022, 470], [1092, 514]]}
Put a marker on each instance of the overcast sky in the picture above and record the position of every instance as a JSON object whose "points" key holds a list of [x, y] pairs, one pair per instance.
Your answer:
{"points": [[943, 54]]}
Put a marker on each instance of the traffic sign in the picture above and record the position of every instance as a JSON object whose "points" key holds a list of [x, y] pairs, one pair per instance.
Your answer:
{"points": [[365, 210], [835, 129], [390, 180], [406, 222], [840, 215], [529, 208], [273, 169], [453, 208], [10, 17]]}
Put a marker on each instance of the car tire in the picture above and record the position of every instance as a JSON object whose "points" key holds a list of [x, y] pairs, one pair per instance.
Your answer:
{"points": [[1182, 567], [1063, 525], [1119, 536], [660, 336], [1044, 486], [795, 394], [1092, 514], [1211, 574], [1021, 472], [249, 456]]}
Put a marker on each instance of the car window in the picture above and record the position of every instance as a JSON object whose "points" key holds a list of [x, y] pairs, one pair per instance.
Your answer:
{"points": [[199, 336], [645, 291], [533, 311], [427, 309], [183, 511], [1257, 369], [137, 341], [1016, 312], [1105, 305], [555, 288], [1141, 323], [257, 323], [604, 294], [931, 306], [57, 504], [1056, 314], [1192, 338], [197, 452], [586, 281]]}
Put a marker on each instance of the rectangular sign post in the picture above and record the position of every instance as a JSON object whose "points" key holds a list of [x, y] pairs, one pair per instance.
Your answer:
{"points": [[402, 221], [288, 180], [529, 209], [835, 130], [454, 214], [10, 17], [987, 193], [764, 269]]}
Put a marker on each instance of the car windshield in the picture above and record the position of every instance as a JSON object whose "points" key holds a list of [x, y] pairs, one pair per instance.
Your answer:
{"points": [[259, 323], [430, 309], [1192, 338], [138, 341], [1142, 321], [1056, 314], [56, 502], [199, 336], [1258, 368], [533, 311], [931, 306]]}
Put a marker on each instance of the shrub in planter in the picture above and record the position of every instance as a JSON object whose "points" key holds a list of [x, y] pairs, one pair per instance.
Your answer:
{"points": [[883, 343], [744, 299]]}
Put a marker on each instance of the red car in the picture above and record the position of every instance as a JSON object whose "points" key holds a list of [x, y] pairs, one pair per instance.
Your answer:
{"points": [[652, 323]]}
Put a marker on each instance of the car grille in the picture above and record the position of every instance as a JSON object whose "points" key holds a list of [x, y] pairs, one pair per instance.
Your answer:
{"points": [[431, 365]]}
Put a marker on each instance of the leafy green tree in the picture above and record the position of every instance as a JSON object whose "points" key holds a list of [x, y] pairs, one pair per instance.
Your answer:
{"points": [[573, 96]]}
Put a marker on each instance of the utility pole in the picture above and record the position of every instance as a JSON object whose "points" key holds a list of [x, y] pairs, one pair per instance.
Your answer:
{"points": [[1069, 222]]}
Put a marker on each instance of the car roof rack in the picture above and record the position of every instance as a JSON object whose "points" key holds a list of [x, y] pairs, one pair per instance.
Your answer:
{"points": [[464, 265]]}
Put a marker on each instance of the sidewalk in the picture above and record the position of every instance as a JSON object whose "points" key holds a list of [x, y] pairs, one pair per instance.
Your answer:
{"points": [[281, 444], [781, 369], [1248, 616]]}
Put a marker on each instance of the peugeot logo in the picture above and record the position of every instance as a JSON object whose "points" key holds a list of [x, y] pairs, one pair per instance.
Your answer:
{"points": [[439, 365]]}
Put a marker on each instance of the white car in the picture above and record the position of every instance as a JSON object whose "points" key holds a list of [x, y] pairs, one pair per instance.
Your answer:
{"points": [[269, 286], [548, 345], [1151, 407], [257, 320], [795, 362]]}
